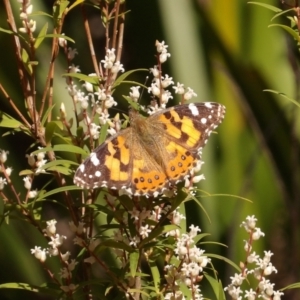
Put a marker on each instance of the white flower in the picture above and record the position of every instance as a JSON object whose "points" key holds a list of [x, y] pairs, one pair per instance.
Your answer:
{"points": [[110, 102], [110, 58], [32, 194], [134, 214], [117, 67], [73, 227], [277, 295], [64, 273], [80, 227], [71, 53], [39, 165], [40, 155], [74, 69], [189, 94], [8, 171], [94, 131], [250, 295], [65, 256], [155, 72], [179, 88], [30, 160], [247, 246], [166, 81], [3, 155], [166, 95], [257, 234], [57, 240], [196, 179], [101, 94], [39, 254], [134, 94], [27, 182], [161, 47], [134, 241], [61, 41], [72, 264], [144, 231], [250, 223], [78, 241], [51, 228], [90, 260], [237, 279], [194, 230], [252, 258], [154, 89], [164, 56]]}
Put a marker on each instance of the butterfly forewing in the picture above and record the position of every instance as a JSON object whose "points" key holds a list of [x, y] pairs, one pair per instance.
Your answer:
{"points": [[154, 153]]}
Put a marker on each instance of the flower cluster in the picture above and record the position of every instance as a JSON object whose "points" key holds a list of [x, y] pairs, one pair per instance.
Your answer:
{"points": [[188, 267], [5, 170], [55, 242], [29, 26], [262, 268]]}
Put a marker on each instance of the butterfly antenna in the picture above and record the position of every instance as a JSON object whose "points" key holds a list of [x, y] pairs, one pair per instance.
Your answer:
{"points": [[141, 95]]}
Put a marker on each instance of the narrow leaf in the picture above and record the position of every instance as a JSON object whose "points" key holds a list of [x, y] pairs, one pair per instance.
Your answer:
{"points": [[133, 262], [59, 190], [41, 36]]}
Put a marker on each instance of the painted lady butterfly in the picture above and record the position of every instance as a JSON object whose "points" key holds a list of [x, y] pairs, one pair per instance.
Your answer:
{"points": [[154, 153]]}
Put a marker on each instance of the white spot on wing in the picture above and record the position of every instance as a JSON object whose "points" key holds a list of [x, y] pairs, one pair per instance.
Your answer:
{"points": [[193, 108], [208, 104], [203, 120], [94, 159], [97, 173], [81, 168]]}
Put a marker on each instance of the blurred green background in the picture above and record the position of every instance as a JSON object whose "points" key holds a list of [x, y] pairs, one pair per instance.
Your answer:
{"points": [[225, 51]]}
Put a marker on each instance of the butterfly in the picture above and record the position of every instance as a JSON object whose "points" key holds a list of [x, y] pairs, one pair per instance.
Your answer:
{"points": [[154, 153]]}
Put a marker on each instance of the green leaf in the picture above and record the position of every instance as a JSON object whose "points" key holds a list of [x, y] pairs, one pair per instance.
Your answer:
{"points": [[31, 288], [157, 232], [132, 103], [270, 7], [133, 262], [62, 147], [216, 286], [155, 275], [26, 172], [282, 13], [77, 2], [234, 265], [8, 121], [41, 36], [283, 95], [59, 9], [45, 116], [58, 162], [69, 148], [122, 77], [103, 133], [61, 169], [26, 61], [6, 31], [53, 35], [91, 79], [50, 130], [117, 245], [40, 13], [291, 286], [291, 31], [58, 190]]}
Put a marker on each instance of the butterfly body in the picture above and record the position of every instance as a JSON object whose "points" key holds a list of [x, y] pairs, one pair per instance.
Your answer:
{"points": [[154, 153]]}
